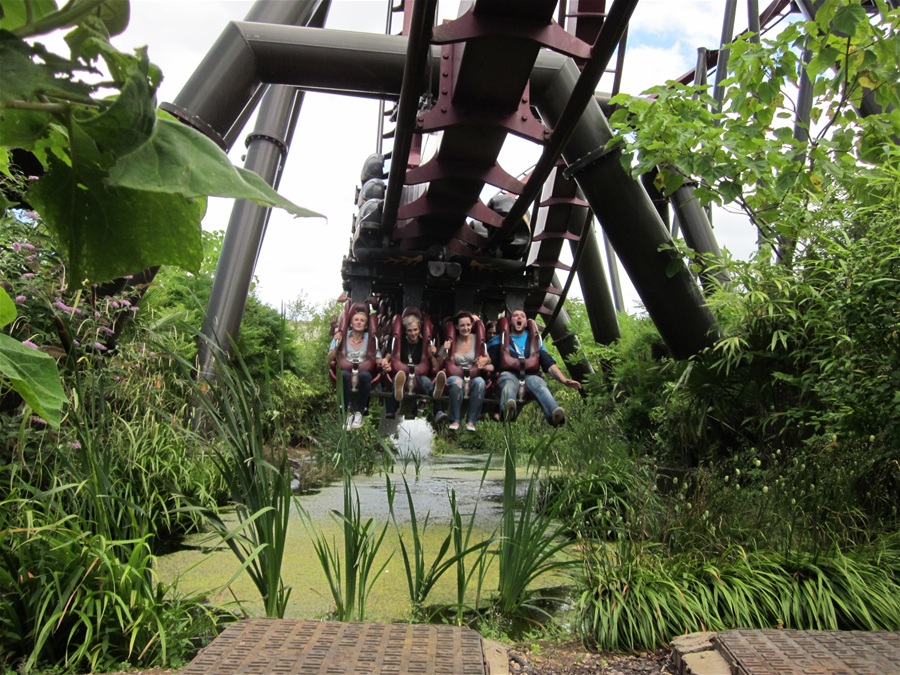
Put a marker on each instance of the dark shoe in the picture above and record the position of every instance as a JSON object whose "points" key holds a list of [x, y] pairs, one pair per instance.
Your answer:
{"points": [[399, 383], [439, 381], [509, 410], [558, 418], [440, 417]]}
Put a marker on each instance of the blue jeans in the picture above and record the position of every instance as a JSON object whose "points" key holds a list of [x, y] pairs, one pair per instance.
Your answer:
{"points": [[534, 385], [358, 402], [426, 387], [476, 398]]}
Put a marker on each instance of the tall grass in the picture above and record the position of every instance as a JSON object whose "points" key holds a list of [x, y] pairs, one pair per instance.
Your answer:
{"points": [[258, 478], [350, 578], [420, 576], [532, 542], [75, 598], [640, 597]]}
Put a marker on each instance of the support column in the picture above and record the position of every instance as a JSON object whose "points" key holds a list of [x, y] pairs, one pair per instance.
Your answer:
{"points": [[668, 290]]}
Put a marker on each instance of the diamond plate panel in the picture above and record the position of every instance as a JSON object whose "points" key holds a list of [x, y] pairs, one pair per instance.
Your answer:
{"points": [[264, 646], [785, 652]]}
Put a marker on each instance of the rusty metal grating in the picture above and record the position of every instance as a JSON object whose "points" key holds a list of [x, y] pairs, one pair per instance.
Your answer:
{"points": [[784, 652], [263, 646]]}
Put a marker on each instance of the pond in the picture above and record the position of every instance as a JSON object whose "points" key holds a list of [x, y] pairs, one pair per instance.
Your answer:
{"points": [[206, 564]]}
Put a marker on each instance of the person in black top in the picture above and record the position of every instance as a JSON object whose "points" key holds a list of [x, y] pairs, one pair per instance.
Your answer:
{"points": [[411, 348]]}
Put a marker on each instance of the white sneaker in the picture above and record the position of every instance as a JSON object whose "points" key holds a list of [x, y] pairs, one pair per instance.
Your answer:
{"points": [[349, 425], [558, 418], [439, 381], [399, 383], [509, 410], [357, 421]]}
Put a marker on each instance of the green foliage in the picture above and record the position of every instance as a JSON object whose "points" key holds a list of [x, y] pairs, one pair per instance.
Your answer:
{"points": [[812, 350], [123, 189], [746, 154], [351, 577], [640, 597], [75, 597], [258, 479], [531, 541], [420, 579]]}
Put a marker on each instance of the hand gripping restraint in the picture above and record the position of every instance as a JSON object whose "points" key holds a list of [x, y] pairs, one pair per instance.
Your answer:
{"points": [[369, 362], [398, 336], [450, 364]]}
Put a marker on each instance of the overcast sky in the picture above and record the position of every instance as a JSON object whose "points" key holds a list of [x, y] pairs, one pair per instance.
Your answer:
{"points": [[335, 133]]}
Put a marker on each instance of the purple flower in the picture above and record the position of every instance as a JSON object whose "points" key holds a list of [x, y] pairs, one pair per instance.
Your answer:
{"points": [[28, 275], [20, 299], [115, 304], [129, 277], [125, 303], [99, 346], [75, 445], [17, 246], [64, 307], [105, 329], [26, 245], [132, 309], [29, 343], [38, 420]]}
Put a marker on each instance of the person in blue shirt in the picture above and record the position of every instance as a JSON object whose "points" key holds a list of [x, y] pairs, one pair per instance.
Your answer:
{"points": [[521, 366]]}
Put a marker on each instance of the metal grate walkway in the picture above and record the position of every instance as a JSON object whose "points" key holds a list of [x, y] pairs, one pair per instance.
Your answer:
{"points": [[263, 646], [785, 652]]}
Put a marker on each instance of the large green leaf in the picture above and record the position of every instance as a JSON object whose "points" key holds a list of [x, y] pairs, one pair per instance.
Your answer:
{"points": [[30, 71], [124, 126], [13, 13], [34, 376], [114, 14], [107, 232], [7, 309], [181, 160]]}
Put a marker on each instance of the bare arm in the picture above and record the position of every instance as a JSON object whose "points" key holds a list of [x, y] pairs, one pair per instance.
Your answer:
{"points": [[559, 376]]}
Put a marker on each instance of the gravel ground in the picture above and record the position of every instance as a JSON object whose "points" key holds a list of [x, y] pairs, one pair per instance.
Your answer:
{"points": [[570, 658]]}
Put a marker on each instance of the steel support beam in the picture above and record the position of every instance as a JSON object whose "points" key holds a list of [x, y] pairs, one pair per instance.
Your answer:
{"points": [[669, 291]]}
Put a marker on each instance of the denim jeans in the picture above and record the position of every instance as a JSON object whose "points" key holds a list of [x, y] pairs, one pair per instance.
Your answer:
{"points": [[534, 385], [476, 398], [426, 387], [359, 401]]}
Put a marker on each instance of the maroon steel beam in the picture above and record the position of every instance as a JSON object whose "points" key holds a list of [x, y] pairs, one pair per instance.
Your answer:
{"points": [[582, 94], [418, 50]]}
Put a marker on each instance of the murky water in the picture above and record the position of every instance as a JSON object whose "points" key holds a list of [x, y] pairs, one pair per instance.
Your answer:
{"points": [[477, 490]]}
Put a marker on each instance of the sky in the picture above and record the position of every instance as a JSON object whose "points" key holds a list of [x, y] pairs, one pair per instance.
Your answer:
{"points": [[334, 135]]}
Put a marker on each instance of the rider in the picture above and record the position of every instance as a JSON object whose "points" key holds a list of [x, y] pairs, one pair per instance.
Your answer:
{"points": [[354, 350], [461, 358], [523, 363], [410, 352]]}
